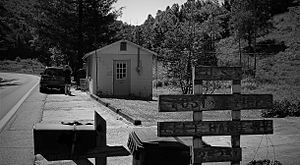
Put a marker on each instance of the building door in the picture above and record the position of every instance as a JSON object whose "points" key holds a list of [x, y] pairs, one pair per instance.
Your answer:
{"points": [[121, 80]]}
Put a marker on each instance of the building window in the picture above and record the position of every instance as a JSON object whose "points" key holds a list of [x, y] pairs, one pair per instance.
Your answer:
{"points": [[123, 46], [121, 70]]}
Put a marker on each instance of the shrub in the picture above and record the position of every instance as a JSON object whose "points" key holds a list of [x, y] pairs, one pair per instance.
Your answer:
{"points": [[249, 83], [173, 82], [18, 59], [283, 108], [165, 82], [157, 83], [212, 86], [264, 162]]}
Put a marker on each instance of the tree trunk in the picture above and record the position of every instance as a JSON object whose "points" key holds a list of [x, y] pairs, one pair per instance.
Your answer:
{"points": [[240, 52], [249, 42]]}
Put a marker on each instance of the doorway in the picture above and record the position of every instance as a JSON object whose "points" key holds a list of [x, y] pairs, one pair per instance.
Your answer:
{"points": [[121, 77]]}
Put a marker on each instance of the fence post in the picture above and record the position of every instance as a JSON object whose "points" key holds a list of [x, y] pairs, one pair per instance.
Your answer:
{"points": [[197, 115], [236, 116], [100, 126]]}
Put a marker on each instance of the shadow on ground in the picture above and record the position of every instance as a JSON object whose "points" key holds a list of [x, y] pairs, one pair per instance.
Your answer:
{"points": [[52, 92], [8, 82]]}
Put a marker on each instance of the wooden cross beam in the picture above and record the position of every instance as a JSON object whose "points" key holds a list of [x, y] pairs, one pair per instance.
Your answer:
{"points": [[200, 102], [217, 73], [217, 154], [207, 102], [75, 142], [211, 128]]}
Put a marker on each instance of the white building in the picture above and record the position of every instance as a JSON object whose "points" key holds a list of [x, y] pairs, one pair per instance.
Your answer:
{"points": [[121, 69]]}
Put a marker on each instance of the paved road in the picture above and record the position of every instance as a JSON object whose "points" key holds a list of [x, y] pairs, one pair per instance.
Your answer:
{"points": [[14, 87]]}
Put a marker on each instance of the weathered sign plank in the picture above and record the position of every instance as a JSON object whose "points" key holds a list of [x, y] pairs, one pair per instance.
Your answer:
{"points": [[218, 73], [175, 103], [98, 152], [217, 154], [210, 128]]}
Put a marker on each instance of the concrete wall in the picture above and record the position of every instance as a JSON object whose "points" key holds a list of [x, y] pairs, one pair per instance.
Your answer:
{"points": [[141, 84]]}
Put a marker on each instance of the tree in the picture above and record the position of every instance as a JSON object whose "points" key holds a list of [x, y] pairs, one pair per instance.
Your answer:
{"points": [[294, 23], [189, 37], [55, 26], [124, 31], [57, 57], [281, 6], [146, 32], [16, 28], [183, 35], [6, 38], [249, 19]]}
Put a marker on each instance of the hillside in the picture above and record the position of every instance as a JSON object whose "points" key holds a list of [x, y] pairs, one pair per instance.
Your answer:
{"points": [[278, 60]]}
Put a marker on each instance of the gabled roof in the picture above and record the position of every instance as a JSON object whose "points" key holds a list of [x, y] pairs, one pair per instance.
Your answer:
{"points": [[131, 43]]}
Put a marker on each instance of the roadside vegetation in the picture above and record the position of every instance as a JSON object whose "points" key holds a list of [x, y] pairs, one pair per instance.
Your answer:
{"points": [[30, 66], [277, 72]]}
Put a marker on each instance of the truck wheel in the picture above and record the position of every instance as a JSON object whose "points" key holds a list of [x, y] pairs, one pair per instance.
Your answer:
{"points": [[62, 90]]}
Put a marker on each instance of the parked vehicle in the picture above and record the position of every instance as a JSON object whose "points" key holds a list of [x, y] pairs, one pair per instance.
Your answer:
{"points": [[52, 77]]}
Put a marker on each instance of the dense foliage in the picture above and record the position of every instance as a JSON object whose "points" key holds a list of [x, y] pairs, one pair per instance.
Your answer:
{"points": [[183, 36], [75, 27], [55, 30]]}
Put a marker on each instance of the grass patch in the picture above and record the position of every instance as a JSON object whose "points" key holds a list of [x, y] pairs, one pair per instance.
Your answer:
{"points": [[283, 108], [278, 66], [277, 72], [166, 90], [264, 162]]}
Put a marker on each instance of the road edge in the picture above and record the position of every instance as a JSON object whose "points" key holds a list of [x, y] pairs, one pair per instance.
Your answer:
{"points": [[12, 111]]}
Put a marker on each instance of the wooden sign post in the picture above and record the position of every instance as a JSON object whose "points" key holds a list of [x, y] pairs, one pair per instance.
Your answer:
{"points": [[77, 142], [203, 102]]}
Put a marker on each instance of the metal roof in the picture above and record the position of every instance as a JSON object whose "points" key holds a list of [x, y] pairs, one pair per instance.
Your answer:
{"points": [[131, 43]]}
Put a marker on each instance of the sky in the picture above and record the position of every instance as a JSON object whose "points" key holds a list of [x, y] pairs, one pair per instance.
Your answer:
{"points": [[135, 12]]}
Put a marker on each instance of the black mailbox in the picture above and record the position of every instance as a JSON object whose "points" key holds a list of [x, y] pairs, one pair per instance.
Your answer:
{"points": [[148, 149]]}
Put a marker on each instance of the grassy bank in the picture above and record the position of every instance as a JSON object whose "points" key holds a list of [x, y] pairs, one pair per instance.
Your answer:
{"points": [[30, 66], [277, 71]]}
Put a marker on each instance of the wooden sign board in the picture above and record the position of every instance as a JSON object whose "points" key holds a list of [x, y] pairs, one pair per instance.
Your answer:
{"points": [[64, 142], [210, 128], [218, 73], [55, 142], [175, 103], [217, 154], [98, 152]]}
